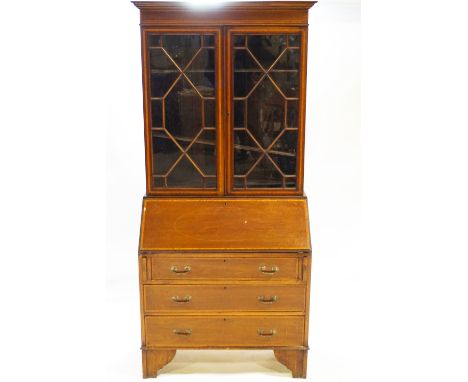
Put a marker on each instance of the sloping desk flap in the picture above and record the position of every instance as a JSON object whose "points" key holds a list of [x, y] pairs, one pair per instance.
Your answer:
{"points": [[224, 224]]}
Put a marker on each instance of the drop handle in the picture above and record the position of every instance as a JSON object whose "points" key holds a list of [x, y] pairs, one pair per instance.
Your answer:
{"points": [[186, 269], [272, 270], [267, 300], [266, 333], [182, 332], [181, 299]]}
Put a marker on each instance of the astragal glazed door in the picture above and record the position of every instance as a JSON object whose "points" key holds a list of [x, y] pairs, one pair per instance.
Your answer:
{"points": [[183, 75]]}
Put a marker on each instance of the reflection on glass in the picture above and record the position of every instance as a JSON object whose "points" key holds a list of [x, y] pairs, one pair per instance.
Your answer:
{"points": [[287, 164], [154, 40], [181, 48], [292, 114], [247, 73], [201, 72], [209, 40], [210, 113], [203, 152], [161, 82], [287, 82], [238, 40], [289, 60], [266, 48], [246, 152], [160, 61], [156, 113], [294, 40], [239, 113], [265, 113], [286, 143], [183, 110], [165, 152], [184, 175], [265, 175], [265, 110]]}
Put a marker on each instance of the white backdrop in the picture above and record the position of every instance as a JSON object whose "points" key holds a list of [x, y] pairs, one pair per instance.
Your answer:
{"points": [[388, 200]]}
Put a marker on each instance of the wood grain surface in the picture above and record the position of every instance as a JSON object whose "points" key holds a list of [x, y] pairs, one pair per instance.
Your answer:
{"points": [[224, 331], [225, 268], [224, 224], [186, 298]]}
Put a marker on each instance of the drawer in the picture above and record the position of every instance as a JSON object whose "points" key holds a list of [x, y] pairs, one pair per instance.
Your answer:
{"points": [[226, 268], [188, 297], [224, 331]]}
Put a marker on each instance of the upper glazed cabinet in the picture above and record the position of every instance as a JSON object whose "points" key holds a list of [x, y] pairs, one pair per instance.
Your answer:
{"points": [[224, 102]]}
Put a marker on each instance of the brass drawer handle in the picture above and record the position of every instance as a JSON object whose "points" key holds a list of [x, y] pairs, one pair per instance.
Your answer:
{"points": [[265, 300], [182, 332], [181, 299], [178, 271], [266, 333], [264, 269]]}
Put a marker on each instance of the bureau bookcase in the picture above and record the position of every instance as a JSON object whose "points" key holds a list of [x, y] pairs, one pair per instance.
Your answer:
{"points": [[224, 252]]}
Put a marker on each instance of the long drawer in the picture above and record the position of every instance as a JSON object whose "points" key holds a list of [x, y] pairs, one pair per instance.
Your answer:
{"points": [[224, 331], [177, 298], [225, 268]]}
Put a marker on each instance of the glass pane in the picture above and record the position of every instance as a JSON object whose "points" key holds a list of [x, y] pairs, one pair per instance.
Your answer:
{"points": [[184, 175], [181, 48], [239, 40], [265, 110], [159, 60], [183, 107], [291, 182], [209, 40], [156, 113], [210, 113], [210, 182], [239, 113], [246, 152], [154, 40], [294, 40], [201, 72], [264, 175], [239, 182], [287, 164], [265, 113], [266, 49], [293, 114], [288, 82], [289, 60], [246, 72], [286, 143], [183, 110], [158, 181], [165, 152], [203, 152], [161, 82], [163, 72]]}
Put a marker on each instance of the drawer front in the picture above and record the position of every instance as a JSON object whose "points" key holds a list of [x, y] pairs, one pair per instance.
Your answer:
{"points": [[176, 298], [224, 331], [227, 268]]}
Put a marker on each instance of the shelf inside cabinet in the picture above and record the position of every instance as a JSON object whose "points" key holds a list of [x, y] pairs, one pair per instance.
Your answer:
{"points": [[211, 143]]}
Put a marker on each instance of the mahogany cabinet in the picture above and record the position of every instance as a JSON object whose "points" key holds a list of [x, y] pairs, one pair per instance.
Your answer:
{"points": [[224, 252]]}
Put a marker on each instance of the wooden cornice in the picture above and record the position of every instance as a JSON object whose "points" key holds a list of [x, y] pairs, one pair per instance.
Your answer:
{"points": [[228, 5], [176, 13]]}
